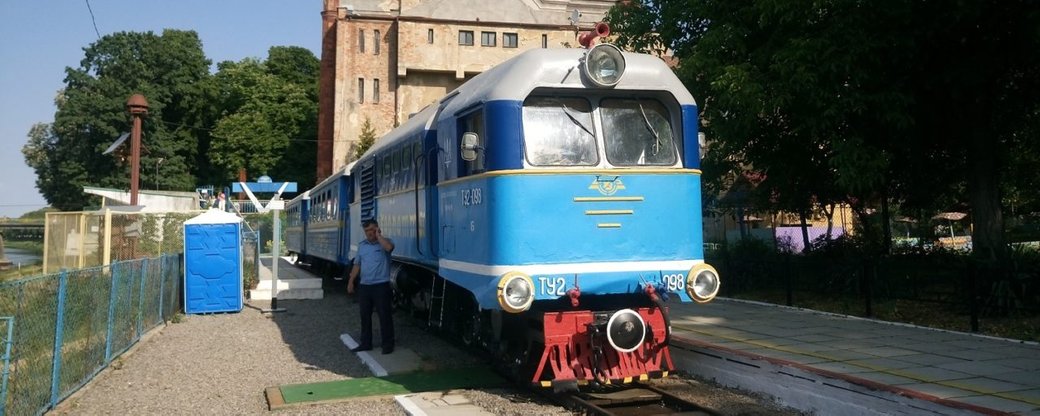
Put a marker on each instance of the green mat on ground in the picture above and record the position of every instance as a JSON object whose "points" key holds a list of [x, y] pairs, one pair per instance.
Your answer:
{"points": [[391, 385]]}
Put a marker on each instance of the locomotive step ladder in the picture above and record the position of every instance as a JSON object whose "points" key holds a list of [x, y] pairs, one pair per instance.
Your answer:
{"points": [[437, 302]]}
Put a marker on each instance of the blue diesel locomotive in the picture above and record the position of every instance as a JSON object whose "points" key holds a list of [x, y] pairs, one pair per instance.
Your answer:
{"points": [[541, 210]]}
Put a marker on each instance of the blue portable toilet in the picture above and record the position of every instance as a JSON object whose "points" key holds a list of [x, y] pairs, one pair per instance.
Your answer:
{"points": [[213, 263]]}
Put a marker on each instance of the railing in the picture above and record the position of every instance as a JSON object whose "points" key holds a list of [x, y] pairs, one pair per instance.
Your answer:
{"points": [[243, 206], [72, 324], [8, 343], [943, 287]]}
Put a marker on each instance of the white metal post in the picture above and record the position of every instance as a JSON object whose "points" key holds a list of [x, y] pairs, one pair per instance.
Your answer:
{"points": [[275, 206]]}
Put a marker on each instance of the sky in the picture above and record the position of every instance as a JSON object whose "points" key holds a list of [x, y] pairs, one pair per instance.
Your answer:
{"points": [[39, 38]]}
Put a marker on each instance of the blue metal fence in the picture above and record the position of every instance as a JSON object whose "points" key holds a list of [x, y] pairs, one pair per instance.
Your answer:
{"points": [[8, 342], [72, 324]]}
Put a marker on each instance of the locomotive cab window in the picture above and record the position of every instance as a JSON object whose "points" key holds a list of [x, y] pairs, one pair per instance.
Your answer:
{"points": [[558, 131], [474, 123], [637, 132]]}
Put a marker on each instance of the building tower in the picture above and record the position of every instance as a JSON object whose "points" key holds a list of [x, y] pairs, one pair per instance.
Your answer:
{"points": [[383, 60]]}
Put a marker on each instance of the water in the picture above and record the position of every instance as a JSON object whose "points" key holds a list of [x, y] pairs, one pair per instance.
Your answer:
{"points": [[23, 257]]}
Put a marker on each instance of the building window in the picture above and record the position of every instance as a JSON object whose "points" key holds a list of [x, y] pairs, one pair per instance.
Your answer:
{"points": [[361, 40], [375, 44], [429, 36], [509, 40], [361, 90], [375, 90], [487, 39], [545, 41], [466, 37]]}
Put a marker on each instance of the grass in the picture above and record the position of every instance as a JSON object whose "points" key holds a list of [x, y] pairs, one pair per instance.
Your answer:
{"points": [[19, 272], [35, 247], [1020, 326]]}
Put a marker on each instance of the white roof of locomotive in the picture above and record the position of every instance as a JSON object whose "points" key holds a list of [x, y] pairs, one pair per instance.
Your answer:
{"points": [[560, 68], [515, 78]]}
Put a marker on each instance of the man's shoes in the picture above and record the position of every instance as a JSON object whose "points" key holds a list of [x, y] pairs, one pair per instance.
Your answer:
{"points": [[388, 350], [360, 348]]}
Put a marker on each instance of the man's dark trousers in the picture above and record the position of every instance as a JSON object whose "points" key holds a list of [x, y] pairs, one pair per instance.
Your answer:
{"points": [[378, 297]]}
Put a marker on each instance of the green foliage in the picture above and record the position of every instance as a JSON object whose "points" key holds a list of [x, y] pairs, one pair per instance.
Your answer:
{"points": [[270, 121], [846, 101], [261, 116], [37, 215], [162, 233], [366, 139], [167, 70]]}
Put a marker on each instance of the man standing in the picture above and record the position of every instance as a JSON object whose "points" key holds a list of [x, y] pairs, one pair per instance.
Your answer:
{"points": [[373, 265]]}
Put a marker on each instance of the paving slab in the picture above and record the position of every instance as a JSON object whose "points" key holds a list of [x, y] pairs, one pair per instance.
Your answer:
{"points": [[444, 403], [985, 385], [882, 363]]}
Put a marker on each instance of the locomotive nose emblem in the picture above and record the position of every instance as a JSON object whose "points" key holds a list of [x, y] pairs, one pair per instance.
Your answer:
{"points": [[607, 185]]}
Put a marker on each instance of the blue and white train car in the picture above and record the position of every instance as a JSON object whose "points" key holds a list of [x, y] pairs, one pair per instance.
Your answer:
{"points": [[326, 239], [542, 209], [297, 211]]}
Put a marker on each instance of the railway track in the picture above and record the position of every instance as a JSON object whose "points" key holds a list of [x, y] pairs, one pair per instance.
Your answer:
{"points": [[633, 400]]}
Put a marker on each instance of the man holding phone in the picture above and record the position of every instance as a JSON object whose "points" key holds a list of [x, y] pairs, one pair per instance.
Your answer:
{"points": [[372, 264]]}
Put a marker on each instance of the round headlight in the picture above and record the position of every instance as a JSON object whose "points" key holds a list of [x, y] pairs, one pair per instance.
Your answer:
{"points": [[702, 284], [515, 292], [604, 65], [626, 330]]}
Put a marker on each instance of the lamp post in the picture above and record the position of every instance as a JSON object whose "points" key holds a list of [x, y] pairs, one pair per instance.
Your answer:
{"points": [[161, 159], [137, 105]]}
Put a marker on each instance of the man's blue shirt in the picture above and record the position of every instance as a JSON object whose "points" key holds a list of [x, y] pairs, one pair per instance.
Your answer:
{"points": [[374, 261]]}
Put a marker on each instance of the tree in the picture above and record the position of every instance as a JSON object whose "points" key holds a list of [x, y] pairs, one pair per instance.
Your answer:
{"points": [[46, 157], [978, 117], [366, 139], [300, 67], [167, 70], [256, 115], [864, 102], [785, 90], [270, 121]]}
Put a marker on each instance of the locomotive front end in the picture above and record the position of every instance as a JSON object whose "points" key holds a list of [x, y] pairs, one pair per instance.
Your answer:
{"points": [[574, 211]]}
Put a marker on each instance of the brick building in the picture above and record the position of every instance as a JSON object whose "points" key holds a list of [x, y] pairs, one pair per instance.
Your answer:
{"points": [[383, 60]]}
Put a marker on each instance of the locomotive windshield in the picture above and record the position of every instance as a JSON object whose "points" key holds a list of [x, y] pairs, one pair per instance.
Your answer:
{"points": [[637, 132], [560, 131]]}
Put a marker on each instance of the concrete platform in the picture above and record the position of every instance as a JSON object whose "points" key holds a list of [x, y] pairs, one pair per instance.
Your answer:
{"points": [[835, 364], [293, 282], [402, 360]]}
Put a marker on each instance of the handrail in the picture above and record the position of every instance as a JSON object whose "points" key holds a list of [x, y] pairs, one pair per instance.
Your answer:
{"points": [[429, 236], [418, 175]]}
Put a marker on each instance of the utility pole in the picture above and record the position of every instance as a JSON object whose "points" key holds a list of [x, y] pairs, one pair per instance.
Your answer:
{"points": [[137, 105], [161, 159]]}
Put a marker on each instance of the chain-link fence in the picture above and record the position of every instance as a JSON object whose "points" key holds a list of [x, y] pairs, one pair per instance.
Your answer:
{"points": [[77, 240], [250, 258], [68, 326]]}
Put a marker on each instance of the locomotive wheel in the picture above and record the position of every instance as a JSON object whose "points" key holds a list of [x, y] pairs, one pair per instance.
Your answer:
{"points": [[518, 353]]}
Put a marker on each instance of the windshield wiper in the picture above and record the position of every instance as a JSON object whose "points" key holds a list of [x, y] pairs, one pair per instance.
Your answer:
{"points": [[567, 111], [656, 147]]}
